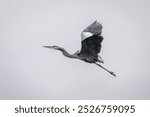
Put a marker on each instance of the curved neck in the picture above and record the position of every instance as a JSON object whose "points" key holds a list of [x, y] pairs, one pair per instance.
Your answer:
{"points": [[65, 53]]}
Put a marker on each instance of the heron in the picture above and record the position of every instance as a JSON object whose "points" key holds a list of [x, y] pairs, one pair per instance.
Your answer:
{"points": [[91, 40]]}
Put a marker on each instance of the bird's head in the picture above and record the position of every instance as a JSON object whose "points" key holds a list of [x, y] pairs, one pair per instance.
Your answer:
{"points": [[52, 47]]}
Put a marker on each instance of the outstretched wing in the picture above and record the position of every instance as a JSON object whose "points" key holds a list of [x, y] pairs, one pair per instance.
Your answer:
{"points": [[91, 42], [94, 28]]}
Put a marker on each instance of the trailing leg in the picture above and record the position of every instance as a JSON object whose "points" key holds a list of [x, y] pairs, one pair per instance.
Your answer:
{"points": [[112, 73]]}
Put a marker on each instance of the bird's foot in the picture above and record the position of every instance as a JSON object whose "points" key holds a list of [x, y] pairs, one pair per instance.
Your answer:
{"points": [[112, 73]]}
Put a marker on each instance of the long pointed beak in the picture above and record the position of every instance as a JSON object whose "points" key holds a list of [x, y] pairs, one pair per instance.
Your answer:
{"points": [[48, 47]]}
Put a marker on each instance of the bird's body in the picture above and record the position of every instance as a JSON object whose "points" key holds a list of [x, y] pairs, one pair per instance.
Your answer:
{"points": [[91, 46]]}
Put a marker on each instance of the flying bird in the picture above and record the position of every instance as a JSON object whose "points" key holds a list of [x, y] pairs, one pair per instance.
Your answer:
{"points": [[91, 40]]}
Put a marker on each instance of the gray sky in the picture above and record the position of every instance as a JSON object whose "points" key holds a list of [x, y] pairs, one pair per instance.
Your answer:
{"points": [[28, 71]]}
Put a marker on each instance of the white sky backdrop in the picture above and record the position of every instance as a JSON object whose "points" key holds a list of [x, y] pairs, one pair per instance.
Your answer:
{"points": [[29, 71]]}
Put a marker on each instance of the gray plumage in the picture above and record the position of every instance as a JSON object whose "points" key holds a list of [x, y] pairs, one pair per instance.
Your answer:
{"points": [[95, 28], [91, 40]]}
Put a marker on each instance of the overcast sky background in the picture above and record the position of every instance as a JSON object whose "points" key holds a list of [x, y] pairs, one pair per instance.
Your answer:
{"points": [[29, 71]]}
